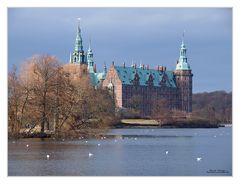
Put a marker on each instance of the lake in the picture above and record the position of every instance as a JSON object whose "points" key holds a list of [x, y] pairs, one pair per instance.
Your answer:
{"points": [[127, 152]]}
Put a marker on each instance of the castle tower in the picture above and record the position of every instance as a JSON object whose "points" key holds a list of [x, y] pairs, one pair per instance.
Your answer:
{"points": [[78, 54], [183, 74], [90, 59]]}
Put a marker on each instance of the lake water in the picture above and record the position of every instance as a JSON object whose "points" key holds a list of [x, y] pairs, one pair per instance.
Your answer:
{"points": [[127, 152]]}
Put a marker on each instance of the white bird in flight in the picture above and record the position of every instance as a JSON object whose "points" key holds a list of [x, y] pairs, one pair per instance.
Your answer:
{"points": [[199, 159], [90, 154]]}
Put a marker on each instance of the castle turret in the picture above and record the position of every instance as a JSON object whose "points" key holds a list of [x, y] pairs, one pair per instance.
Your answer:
{"points": [[183, 74], [90, 59], [78, 54]]}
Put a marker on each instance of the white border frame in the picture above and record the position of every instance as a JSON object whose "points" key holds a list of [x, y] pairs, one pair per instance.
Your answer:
{"points": [[5, 4]]}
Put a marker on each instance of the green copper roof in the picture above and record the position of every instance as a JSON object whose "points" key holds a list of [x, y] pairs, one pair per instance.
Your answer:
{"points": [[96, 78], [127, 74], [78, 41], [182, 62], [183, 66]]}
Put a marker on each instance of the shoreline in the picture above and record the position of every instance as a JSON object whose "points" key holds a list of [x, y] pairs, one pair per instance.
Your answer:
{"points": [[128, 124], [123, 125], [177, 123]]}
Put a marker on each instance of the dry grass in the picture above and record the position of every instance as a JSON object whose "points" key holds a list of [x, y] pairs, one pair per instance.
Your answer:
{"points": [[140, 121]]}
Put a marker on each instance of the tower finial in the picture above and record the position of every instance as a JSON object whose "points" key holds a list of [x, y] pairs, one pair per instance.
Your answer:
{"points": [[78, 19], [183, 36], [90, 44], [105, 67]]}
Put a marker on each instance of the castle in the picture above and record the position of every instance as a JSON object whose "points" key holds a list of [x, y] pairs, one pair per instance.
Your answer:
{"points": [[125, 82]]}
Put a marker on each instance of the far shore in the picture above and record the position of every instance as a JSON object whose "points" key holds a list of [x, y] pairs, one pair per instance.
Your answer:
{"points": [[145, 123]]}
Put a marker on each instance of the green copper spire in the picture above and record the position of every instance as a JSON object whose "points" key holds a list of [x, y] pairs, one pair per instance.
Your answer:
{"points": [[182, 62], [105, 69], [78, 41], [78, 53], [90, 59]]}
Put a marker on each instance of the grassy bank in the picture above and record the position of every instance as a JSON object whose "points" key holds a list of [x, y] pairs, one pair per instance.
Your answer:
{"points": [[176, 123], [139, 122]]}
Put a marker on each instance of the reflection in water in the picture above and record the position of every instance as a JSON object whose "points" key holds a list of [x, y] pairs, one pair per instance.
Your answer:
{"points": [[135, 152]]}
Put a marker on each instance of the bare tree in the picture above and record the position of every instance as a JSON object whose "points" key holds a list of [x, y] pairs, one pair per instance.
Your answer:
{"points": [[43, 71], [14, 96], [44, 95], [161, 111]]}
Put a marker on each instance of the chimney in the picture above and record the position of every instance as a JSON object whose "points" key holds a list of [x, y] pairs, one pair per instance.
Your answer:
{"points": [[123, 64], [95, 68]]}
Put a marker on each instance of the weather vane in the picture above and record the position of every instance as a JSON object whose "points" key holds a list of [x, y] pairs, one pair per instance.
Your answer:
{"points": [[183, 36], [79, 20]]}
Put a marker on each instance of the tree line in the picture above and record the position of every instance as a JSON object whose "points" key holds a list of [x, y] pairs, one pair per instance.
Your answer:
{"points": [[215, 106], [43, 98]]}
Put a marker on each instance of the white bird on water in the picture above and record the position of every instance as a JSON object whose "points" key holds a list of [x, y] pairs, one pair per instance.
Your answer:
{"points": [[48, 156], [27, 145], [99, 144], [199, 159], [166, 152], [90, 154]]}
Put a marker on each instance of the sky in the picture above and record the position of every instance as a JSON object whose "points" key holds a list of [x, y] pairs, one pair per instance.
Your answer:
{"points": [[141, 35]]}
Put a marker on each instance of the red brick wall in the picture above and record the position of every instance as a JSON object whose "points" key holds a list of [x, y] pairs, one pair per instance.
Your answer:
{"points": [[184, 84], [112, 76]]}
